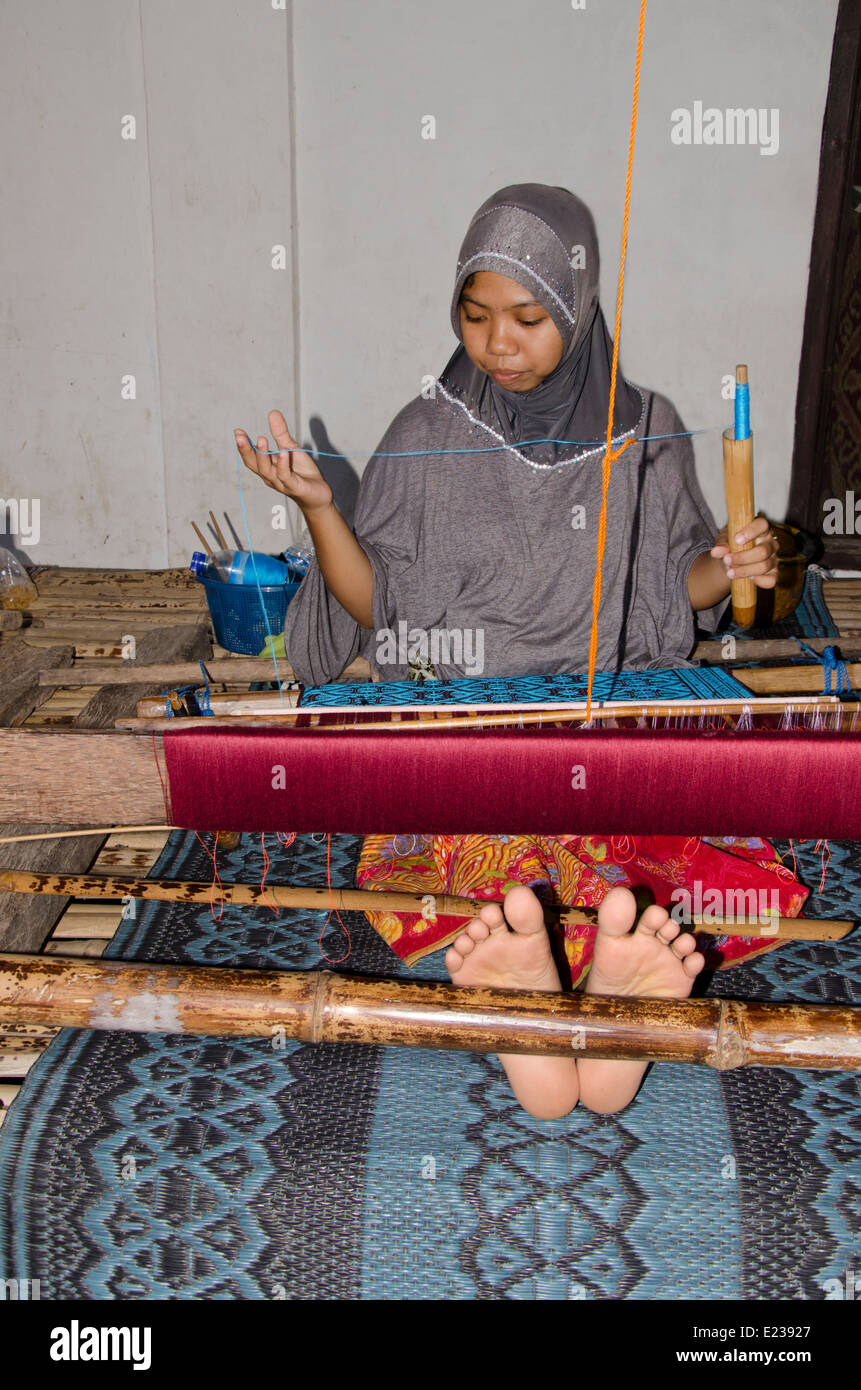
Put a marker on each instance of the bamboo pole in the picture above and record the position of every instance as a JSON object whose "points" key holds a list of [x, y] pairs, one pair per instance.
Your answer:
{"points": [[254, 702], [317, 1006], [400, 719], [369, 900], [738, 487]]}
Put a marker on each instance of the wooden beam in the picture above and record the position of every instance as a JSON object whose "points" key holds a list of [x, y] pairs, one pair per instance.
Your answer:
{"points": [[399, 720], [240, 670], [20, 664], [780, 680], [25, 920], [317, 1006], [56, 579], [78, 778], [35, 791], [177, 643], [248, 702], [767, 649], [74, 605]]}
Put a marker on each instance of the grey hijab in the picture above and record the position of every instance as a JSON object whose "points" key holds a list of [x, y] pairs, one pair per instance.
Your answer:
{"points": [[545, 239]]}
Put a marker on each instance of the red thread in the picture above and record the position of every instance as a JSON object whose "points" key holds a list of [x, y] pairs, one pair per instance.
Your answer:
{"points": [[216, 878], [272, 906], [629, 842], [826, 849], [794, 863], [168, 814], [333, 908]]}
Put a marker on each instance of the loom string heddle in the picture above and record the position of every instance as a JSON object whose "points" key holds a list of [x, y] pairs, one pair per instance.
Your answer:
{"points": [[832, 665], [286, 840], [202, 700]]}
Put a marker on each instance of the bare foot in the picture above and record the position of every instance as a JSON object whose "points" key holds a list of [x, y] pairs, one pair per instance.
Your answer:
{"points": [[487, 954], [655, 960]]}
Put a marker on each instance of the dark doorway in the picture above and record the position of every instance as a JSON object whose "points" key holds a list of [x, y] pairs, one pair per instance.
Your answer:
{"points": [[825, 492]]}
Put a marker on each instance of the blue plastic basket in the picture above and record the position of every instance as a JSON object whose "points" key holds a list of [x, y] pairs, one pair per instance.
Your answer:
{"points": [[237, 617]]}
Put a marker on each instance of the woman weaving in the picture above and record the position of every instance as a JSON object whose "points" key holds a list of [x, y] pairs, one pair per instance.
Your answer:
{"points": [[480, 530]]}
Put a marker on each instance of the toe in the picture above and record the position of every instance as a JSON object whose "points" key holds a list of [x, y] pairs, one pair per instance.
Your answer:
{"points": [[657, 919], [463, 944], [617, 912], [479, 930], [453, 960], [694, 963], [523, 911], [684, 945], [491, 916]]}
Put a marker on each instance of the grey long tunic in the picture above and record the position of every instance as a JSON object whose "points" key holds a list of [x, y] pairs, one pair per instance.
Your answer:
{"points": [[492, 558]]}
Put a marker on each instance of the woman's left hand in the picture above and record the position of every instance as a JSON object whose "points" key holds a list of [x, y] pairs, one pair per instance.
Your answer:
{"points": [[759, 563]]}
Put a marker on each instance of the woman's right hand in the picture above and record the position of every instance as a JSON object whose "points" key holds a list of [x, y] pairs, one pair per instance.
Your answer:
{"points": [[286, 468]]}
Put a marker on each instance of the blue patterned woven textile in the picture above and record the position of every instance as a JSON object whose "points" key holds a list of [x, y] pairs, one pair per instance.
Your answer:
{"points": [[810, 618], [149, 1166], [700, 683]]}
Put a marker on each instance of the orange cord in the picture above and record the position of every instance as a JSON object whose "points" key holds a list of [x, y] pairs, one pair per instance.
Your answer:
{"points": [[825, 849], [273, 907], [609, 456], [337, 960], [215, 879]]}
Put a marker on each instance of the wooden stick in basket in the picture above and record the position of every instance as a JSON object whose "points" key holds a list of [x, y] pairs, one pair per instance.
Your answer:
{"points": [[202, 538]]}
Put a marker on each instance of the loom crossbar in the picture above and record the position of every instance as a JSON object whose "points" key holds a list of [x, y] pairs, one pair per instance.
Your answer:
{"points": [[319, 1006], [500, 781], [326, 899]]}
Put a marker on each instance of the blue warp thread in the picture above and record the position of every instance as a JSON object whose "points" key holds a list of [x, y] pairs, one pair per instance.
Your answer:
{"points": [[832, 665], [415, 453], [205, 704], [742, 411]]}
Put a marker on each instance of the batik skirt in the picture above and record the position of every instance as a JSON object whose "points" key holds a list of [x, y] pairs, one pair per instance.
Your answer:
{"points": [[687, 876]]}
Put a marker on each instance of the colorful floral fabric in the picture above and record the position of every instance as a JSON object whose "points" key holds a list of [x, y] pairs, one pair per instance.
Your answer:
{"points": [[577, 870]]}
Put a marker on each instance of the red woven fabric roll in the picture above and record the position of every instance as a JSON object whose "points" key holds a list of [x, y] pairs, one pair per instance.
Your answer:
{"points": [[507, 781]]}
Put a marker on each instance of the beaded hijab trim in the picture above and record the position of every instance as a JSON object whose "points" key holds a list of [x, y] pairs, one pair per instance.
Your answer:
{"points": [[463, 269], [560, 463]]}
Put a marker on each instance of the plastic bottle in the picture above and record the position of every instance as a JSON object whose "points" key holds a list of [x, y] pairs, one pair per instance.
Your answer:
{"points": [[298, 560], [236, 567], [17, 589]]}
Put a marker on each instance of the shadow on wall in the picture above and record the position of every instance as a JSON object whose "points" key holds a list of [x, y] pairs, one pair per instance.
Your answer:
{"points": [[338, 470]]}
